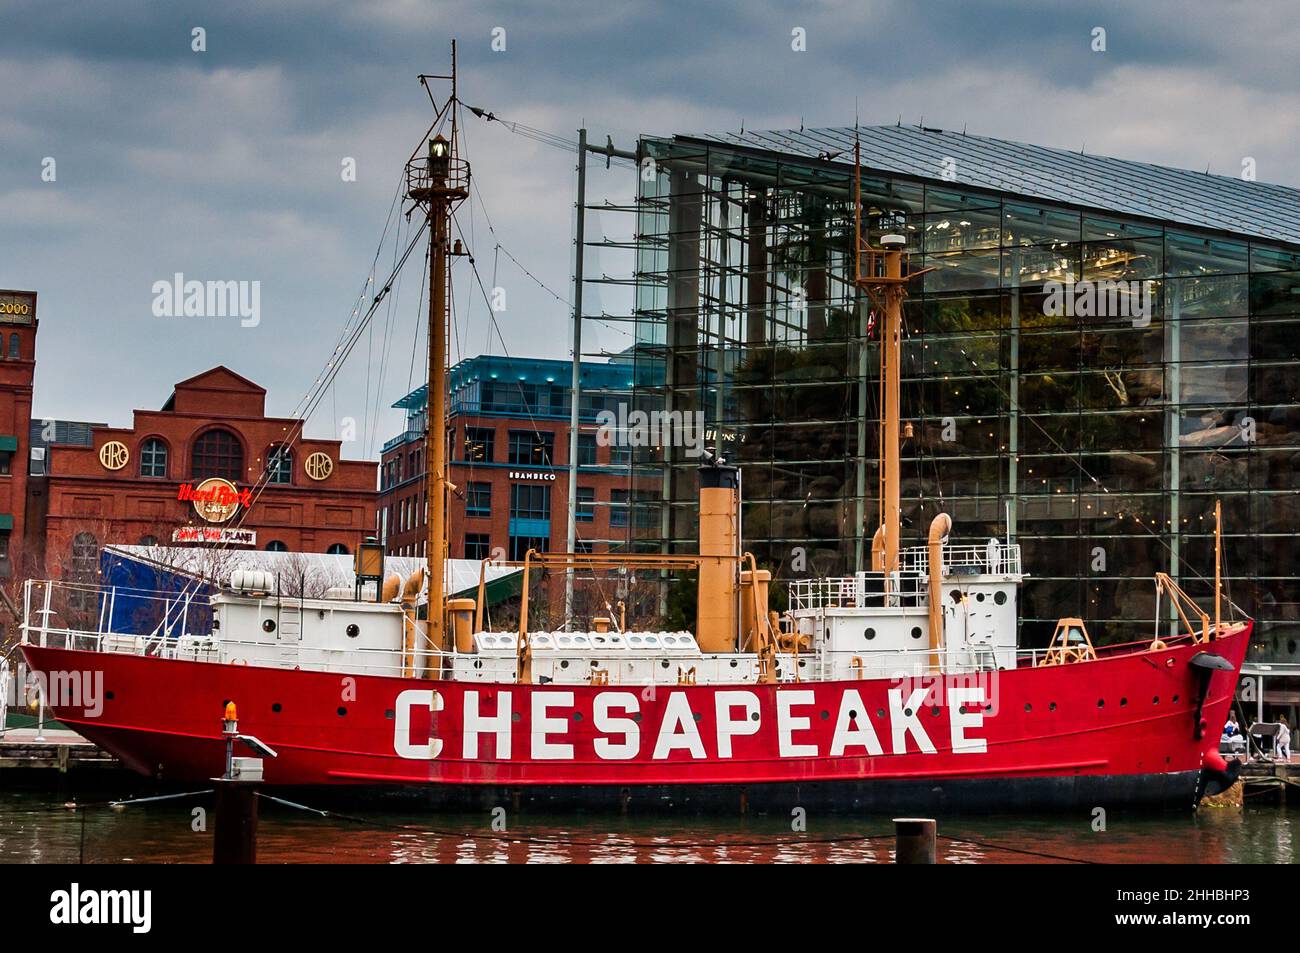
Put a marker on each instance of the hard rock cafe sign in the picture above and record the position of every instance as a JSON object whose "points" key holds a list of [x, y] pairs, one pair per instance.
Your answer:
{"points": [[215, 500]]}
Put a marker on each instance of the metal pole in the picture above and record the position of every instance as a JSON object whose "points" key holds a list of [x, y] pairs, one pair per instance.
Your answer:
{"points": [[914, 840], [576, 383]]}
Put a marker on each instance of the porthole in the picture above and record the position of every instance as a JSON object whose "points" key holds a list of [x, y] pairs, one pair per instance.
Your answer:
{"points": [[880, 713], [825, 715], [955, 595], [275, 707], [577, 716], [342, 711], [389, 714], [754, 717], [637, 718], [109, 696], [979, 597], [353, 630], [478, 663], [1101, 703], [934, 711], [908, 712], [595, 664], [1000, 597], [1155, 700], [734, 663], [515, 716], [664, 663], [1052, 707], [268, 625], [853, 715], [916, 631], [696, 715], [1028, 707], [1175, 699], [1123, 703], [564, 663], [869, 634]]}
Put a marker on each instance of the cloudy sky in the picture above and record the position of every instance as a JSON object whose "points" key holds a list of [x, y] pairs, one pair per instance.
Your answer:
{"points": [[226, 164]]}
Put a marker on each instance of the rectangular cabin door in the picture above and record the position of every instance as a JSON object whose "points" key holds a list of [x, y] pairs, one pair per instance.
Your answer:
{"points": [[289, 631]]}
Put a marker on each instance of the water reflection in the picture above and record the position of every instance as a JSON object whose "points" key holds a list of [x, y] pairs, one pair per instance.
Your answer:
{"points": [[37, 829]]}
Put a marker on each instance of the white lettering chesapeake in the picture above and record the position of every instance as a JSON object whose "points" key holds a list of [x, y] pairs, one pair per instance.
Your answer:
{"points": [[412, 697], [854, 713], [787, 724], [475, 724], [544, 725], [903, 720], [600, 715], [729, 728], [960, 721], [678, 729]]}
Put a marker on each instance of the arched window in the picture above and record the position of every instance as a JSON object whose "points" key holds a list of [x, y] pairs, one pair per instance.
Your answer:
{"points": [[338, 549], [279, 465], [153, 458], [218, 454], [85, 556], [275, 546], [14, 346]]}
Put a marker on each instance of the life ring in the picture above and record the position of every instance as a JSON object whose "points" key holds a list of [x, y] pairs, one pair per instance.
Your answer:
{"points": [[239, 661]]}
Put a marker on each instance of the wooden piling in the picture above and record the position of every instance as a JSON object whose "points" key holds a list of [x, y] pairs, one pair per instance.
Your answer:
{"points": [[914, 840]]}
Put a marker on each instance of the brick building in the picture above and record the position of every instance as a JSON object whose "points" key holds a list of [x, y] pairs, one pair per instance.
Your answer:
{"points": [[509, 420], [190, 472], [17, 370]]}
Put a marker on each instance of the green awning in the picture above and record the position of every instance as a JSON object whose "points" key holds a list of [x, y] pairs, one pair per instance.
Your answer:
{"points": [[9, 443], [6, 521]]}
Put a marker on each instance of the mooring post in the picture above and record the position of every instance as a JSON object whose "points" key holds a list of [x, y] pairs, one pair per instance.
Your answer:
{"points": [[234, 835], [914, 840]]}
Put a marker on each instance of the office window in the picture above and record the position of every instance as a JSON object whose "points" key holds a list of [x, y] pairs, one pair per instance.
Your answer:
{"points": [[218, 454], [153, 458], [530, 501], [338, 549], [6, 463], [478, 546], [618, 507], [519, 546], [478, 499], [480, 444], [279, 465], [275, 546], [586, 449], [586, 510], [620, 456], [531, 448], [14, 346]]}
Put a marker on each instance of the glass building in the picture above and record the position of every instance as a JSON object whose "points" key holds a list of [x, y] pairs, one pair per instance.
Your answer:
{"points": [[1096, 432]]}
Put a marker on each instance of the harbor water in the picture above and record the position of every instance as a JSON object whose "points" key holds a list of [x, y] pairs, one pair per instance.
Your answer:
{"points": [[40, 827]]}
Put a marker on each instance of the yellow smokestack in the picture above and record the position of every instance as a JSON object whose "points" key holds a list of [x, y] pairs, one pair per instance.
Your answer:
{"points": [[716, 609]]}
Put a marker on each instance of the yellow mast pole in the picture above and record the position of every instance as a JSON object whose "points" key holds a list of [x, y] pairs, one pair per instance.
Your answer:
{"points": [[440, 182], [435, 440], [892, 357], [1218, 561]]}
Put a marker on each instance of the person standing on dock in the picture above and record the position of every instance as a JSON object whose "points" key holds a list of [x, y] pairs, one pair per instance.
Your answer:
{"points": [[1284, 739]]}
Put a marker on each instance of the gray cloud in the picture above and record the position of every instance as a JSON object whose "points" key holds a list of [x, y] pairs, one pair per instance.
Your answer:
{"points": [[225, 164]]}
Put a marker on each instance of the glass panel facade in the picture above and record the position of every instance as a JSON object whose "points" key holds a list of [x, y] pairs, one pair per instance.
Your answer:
{"points": [[1087, 384]]}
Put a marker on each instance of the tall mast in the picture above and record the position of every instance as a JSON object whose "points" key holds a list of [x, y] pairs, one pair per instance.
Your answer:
{"points": [[438, 183], [879, 272]]}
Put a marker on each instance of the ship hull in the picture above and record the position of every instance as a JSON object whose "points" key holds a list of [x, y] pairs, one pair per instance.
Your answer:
{"points": [[1121, 730]]}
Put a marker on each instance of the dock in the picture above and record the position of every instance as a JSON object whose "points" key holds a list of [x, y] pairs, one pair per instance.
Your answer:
{"points": [[54, 749]]}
